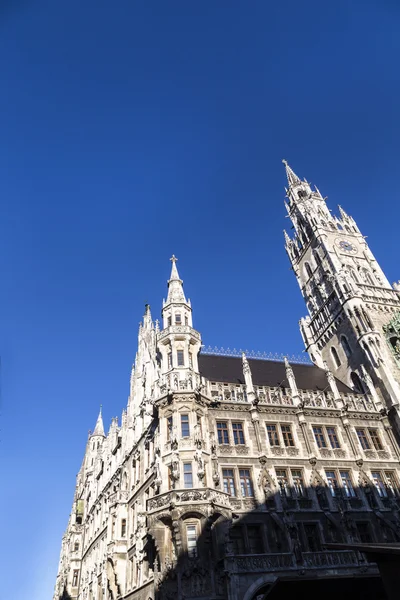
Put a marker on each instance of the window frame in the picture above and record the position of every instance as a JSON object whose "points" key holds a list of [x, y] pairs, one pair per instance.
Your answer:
{"points": [[322, 434], [246, 483], [191, 548], [275, 433], [223, 430], [123, 528], [180, 357], [333, 435], [348, 489], [375, 437], [229, 479], [363, 438], [184, 424], [287, 436], [238, 433], [187, 472], [380, 485]]}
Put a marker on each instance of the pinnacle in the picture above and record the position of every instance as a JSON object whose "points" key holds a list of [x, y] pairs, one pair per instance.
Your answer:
{"points": [[290, 174], [99, 428]]}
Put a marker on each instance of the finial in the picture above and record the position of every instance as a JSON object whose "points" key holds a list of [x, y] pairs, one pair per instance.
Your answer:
{"points": [[175, 289]]}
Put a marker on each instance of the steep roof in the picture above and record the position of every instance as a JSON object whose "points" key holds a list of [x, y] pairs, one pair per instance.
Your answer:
{"points": [[228, 369]]}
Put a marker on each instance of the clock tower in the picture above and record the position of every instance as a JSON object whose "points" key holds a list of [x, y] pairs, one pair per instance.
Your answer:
{"points": [[353, 325]]}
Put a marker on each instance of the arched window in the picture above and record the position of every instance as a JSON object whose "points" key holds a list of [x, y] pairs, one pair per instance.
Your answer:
{"points": [[356, 381], [346, 345], [368, 278], [308, 269], [354, 275], [335, 357], [317, 258]]}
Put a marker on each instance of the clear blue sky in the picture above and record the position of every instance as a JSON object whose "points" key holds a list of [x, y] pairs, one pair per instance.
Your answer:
{"points": [[133, 130]]}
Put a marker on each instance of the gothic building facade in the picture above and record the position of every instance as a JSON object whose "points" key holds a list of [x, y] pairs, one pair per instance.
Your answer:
{"points": [[227, 475]]}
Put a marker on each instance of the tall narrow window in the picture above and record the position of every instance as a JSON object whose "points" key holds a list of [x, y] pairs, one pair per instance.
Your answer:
{"points": [[272, 435], [191, 537], [283, 482], [378, 481], [185, 430], [180, 360], [332, 437], [298, 483], [187, 475], [76, 546], [169, 428], [178, 319], [364, 532], [228, 482], [238, 435], [319, 437], [332, 482], [170, 360], [312, 538], [335, 357], [363, 439], [254, 536], [357, 385], [347, 484], [391, 483], [169, 321], [75, 576], [222, 431], [123, 528], [287, 435], [190, 360], [346, 346], [186, 320], [376, 442], [246, 485], [308, 269]]}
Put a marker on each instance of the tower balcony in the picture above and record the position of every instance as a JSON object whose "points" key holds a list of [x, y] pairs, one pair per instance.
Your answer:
{"points": [[177, 330]]}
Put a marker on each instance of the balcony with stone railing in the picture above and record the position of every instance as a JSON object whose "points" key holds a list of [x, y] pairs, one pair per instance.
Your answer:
{"points": [[265, 563], [222, 392], [176, 330], [182, 497]]}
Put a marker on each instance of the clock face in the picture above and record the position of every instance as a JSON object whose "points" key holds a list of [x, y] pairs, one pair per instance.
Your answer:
{"points": [[346, 246]]}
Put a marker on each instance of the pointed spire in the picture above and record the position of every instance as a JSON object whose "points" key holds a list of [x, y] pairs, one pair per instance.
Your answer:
{"points": [[99, 428], [291, 175], [175, 285], [343, 213], [147, 322], [287, 238]]}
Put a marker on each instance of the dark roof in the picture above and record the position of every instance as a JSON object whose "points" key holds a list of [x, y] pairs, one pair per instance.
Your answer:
{"points": [[228, 369]]}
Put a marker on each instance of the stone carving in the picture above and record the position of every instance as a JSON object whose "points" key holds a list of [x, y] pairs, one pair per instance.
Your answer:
{"points": [[198, 457], [266, 483]]}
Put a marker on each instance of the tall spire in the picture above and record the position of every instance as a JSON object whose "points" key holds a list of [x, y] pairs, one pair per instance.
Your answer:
{"points": [[99, 428], [290, 174], [175, 285]]}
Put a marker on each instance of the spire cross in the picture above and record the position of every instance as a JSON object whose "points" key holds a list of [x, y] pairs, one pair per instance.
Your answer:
{"points": [[173, 259]]}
